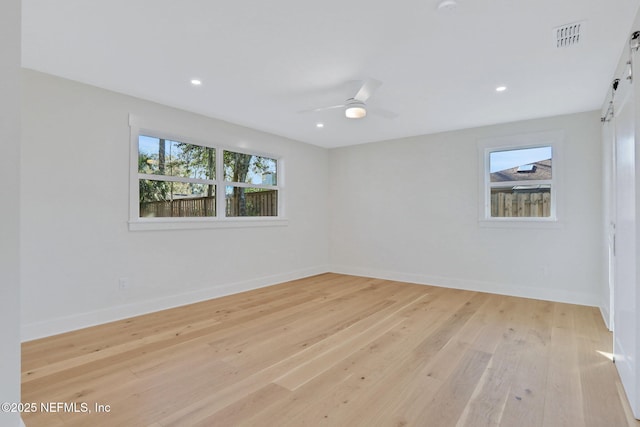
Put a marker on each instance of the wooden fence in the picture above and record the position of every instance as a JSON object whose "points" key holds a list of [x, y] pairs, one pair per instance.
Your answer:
{"points": [[263, 203], [197, 206], [505, 204]]}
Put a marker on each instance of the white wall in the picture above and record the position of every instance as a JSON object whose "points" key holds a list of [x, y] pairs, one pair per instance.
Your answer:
{"points": [[10, 216], [404, 209], [408, 210], [75, 239]]}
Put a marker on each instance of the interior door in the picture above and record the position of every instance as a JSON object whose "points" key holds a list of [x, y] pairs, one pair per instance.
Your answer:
{"points": [[609, 200], [624, 304]]}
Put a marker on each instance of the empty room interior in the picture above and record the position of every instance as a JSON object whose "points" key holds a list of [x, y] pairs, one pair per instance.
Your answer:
{"points": [[332, 213]]}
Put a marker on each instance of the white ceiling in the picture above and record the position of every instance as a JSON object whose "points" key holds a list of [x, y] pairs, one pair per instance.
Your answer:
{"points": [[262, 62]]}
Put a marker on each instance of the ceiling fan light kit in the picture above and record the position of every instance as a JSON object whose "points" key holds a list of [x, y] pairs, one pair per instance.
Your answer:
{"points": [[355, 110]]}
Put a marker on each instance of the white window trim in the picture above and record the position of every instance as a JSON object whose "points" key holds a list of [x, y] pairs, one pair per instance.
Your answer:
{"points": [[138, 127], [553, 139]]}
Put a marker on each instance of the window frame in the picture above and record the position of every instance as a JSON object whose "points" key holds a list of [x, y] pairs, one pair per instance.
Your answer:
{"points": [[137, 223], [486, 146]]}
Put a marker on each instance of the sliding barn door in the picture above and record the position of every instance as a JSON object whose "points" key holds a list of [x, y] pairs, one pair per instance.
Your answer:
{"points": [[609, 223], [625, 299]]}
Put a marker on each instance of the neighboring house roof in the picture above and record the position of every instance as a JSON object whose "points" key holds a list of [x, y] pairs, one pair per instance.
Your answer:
{"points": [[540, 170]]}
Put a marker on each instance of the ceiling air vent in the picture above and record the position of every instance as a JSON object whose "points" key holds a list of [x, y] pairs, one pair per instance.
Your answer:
{"points": [[569, 35]]}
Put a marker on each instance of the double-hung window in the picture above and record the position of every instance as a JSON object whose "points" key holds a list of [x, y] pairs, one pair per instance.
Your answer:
{"points": [[519, 181], [250, 185], [175, 179], [182, 183]]}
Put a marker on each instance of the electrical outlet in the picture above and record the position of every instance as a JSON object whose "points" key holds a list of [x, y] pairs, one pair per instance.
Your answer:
{"points": [[123, 284]]}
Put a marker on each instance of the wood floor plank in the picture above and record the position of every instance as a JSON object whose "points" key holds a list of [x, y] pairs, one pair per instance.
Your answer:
{"points": [[236, 414], [336, 350], [563, 382], [447, 406], [489, 399], [355, 392], [529, 385], [352, 339]]}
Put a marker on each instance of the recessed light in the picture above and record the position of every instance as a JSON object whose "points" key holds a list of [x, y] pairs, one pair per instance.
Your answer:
{"points": [[196, 82], [501, 88], [319, 125]]}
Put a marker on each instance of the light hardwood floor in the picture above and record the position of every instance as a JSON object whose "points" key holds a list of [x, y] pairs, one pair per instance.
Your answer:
{"points": [[335, 350]]}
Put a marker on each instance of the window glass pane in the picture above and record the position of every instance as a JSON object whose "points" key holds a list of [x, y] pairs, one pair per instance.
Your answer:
{"points": [[520, 165], [243, 201], [158, 156], [247, 168], [521, 201], [176, 199]]}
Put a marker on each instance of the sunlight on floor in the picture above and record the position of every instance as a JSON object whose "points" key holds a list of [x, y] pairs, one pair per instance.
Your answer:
{"points": [[605, 354]]}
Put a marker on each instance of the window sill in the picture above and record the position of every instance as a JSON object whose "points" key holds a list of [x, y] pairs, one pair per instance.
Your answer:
{"points": [[520, 223], [205, 223]]}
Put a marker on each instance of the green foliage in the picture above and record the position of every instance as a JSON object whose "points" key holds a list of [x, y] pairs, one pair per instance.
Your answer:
{"points": [[160, 157], [195, 161], [151, 191]]}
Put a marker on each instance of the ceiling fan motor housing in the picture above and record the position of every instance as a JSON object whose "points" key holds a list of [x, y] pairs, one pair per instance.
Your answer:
{"points": [[355, 109]]}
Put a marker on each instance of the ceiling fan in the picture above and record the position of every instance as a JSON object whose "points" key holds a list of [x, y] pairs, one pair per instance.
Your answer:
{"points": [[356, 107]]}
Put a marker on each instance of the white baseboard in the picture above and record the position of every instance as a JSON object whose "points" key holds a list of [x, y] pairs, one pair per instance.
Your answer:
{"points": [[606, 316], [31, 331], [60, 325], [545, 294]]}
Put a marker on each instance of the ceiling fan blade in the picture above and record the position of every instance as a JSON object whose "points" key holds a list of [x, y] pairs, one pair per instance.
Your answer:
{"points": [[367, 89], [382, 112], [315, 110]]}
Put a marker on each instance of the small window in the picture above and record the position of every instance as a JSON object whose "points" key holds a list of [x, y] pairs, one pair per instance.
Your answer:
{"points": [[520, 178], [520, 182]]}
